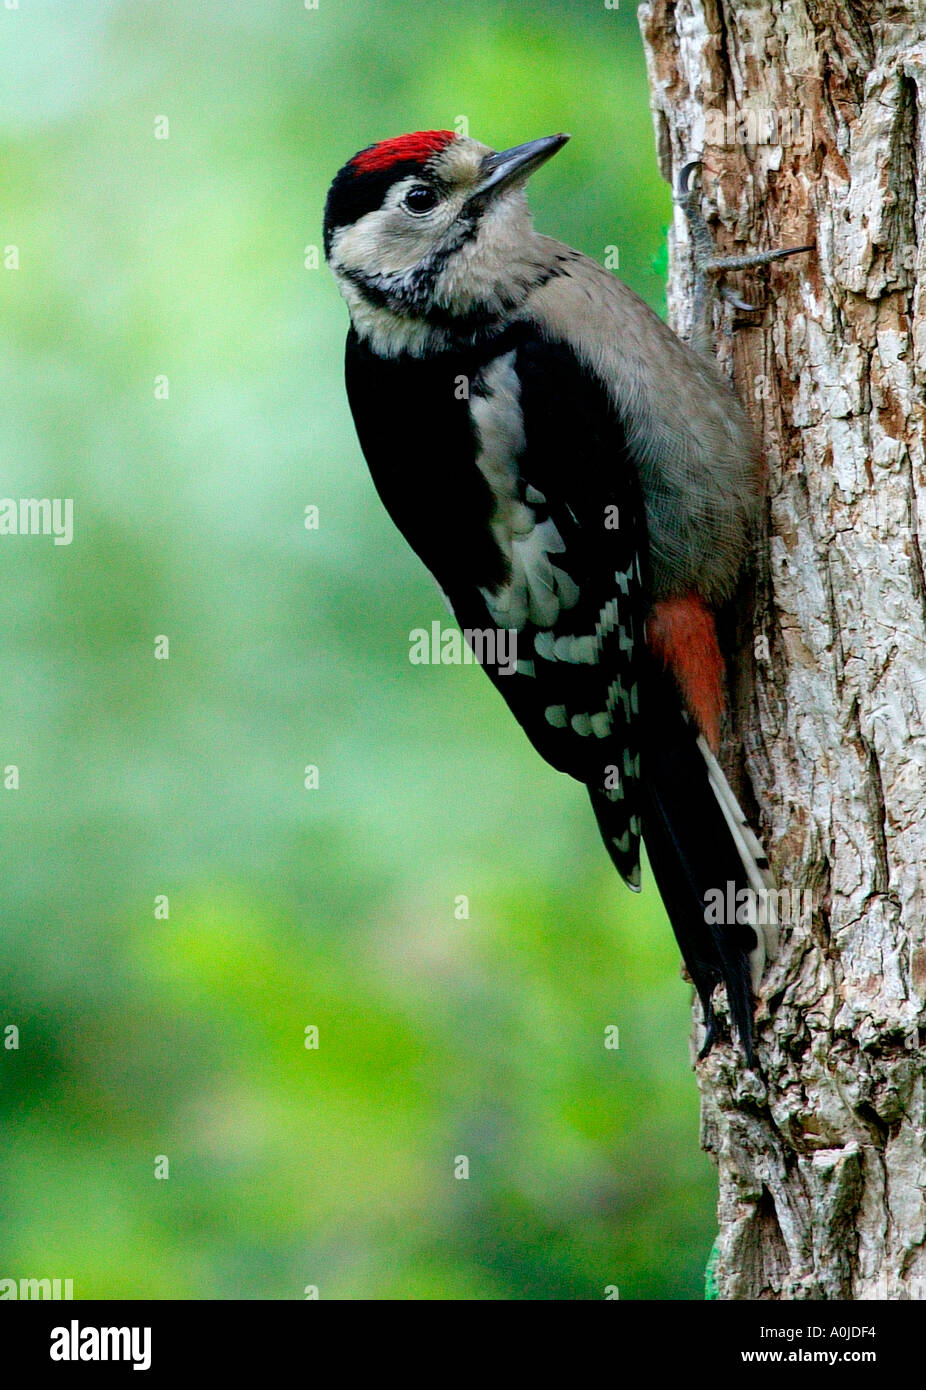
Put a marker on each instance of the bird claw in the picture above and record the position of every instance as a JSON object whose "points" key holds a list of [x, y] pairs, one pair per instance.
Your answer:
{"points": [[733, 299], [683, 187]]}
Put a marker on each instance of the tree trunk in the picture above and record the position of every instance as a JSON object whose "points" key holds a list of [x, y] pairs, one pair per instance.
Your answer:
{"points": [[820, 1149]]}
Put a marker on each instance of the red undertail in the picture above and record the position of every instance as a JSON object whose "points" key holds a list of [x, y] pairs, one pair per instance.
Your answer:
{"points": [[682, 636]]}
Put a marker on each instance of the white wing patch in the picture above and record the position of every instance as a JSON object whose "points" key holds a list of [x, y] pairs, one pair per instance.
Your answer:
{"points": [[584, 671], [537, 590]]}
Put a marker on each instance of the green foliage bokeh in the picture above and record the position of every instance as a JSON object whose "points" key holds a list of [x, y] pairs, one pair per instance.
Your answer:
{"points": [[438, 1037]]}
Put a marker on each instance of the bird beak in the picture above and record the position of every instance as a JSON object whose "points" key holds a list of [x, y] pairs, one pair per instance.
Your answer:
{"points": [[515, 166]]}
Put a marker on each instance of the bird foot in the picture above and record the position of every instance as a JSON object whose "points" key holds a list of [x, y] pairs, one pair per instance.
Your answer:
{"points": [[707, 264]]}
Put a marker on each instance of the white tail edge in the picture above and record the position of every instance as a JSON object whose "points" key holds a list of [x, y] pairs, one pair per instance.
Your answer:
{"points": [[755, 863]]}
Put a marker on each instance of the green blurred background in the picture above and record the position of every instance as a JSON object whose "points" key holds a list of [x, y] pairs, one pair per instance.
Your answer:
{"points": [[439, 1037]]}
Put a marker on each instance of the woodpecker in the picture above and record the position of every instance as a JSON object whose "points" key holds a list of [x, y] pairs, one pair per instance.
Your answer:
{"points": [[571, 472]]}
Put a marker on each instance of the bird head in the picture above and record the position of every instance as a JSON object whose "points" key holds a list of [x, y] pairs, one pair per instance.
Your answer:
{"points": [[430, 235]]}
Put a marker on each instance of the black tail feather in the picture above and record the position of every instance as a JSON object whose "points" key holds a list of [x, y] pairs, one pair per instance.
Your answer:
{"points": [[691, 851]]}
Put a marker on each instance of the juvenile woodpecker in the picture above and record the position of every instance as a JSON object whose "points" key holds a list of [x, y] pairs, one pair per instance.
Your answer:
{"points": [[567, 469]]}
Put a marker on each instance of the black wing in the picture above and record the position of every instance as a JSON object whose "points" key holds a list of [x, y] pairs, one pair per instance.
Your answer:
{"points": [[507, 470]]}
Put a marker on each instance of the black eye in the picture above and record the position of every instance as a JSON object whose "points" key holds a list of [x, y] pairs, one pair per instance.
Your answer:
{"points": [[421, 198]]}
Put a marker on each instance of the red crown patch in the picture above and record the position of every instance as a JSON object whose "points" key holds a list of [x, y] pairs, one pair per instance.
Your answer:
{"points": [[419, 146]]}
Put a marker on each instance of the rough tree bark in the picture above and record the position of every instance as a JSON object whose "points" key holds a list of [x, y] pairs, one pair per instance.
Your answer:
{"points": [[821, 1154]]}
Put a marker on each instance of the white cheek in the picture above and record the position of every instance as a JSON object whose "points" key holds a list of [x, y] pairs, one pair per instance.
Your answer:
{"points": [[366, 245], [405, 242], [389, 241]]}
